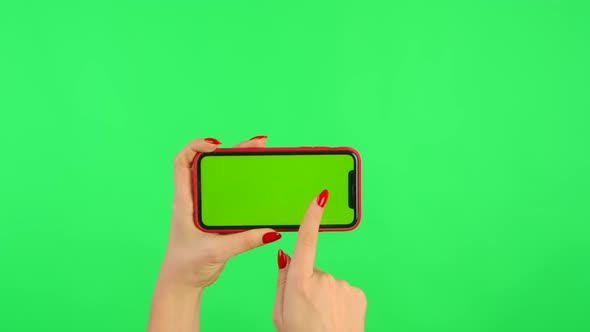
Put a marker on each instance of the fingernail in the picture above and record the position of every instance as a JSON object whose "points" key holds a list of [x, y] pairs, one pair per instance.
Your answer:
{"points": [[258, 137], [323, 198], [270, 237], [282, 259], [212, 141]]}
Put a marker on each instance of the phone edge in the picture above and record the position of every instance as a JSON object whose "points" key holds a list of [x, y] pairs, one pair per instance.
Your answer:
{"points": [[353, 226]]}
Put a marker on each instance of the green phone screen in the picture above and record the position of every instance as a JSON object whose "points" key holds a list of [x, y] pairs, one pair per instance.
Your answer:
{"points": [[274, 189]]}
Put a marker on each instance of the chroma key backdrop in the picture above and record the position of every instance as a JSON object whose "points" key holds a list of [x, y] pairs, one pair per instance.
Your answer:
{"points": [[472, 119]]}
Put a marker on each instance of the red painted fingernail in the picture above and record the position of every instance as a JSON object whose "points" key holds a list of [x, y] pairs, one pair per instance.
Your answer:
{"points": [[323, 198], [270, 237], [282, 259], [212, 141], [258, 137]]}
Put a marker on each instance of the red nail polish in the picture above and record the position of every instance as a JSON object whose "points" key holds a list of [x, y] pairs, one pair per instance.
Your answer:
{"points": [[323, 198], [258, 137], [282, 259], [212, 141], [270, 237]]}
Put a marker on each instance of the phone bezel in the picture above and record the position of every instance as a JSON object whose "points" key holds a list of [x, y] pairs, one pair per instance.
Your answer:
{"points": [[275, 151]]}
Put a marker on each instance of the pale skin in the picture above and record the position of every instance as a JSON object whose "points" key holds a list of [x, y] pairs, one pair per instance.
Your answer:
{"points": [[306, 298]]}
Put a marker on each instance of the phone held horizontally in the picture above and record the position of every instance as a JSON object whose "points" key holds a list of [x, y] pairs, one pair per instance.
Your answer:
{"points": [[235, 189]]}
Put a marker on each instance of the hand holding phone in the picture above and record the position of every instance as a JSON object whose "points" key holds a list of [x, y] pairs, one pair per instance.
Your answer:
{"points": [[194, 259], [308, 299]]}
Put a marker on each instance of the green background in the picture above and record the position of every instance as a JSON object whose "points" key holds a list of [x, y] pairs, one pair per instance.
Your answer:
{"points": [[472, 118], [273, 190]]}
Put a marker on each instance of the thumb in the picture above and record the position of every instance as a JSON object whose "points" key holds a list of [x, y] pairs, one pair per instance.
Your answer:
{"points": [[283, 261], [235, 244]]}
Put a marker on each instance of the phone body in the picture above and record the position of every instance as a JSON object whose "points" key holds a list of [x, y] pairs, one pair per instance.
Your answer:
{"points": [[235, 189]]}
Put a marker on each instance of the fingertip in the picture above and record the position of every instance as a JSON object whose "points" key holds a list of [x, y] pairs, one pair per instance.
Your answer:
{"points": [[214, 141], [323, 198], [254, 142], [272, 236], [185, 157], [282, 259], [199, 145]]}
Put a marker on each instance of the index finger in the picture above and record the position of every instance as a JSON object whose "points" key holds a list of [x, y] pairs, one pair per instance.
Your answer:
{"points": [[182, 169], [302, 262], [184, 158]]}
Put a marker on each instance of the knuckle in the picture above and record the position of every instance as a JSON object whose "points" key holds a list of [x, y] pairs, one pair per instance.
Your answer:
{"points": [[342, 284], [331, 278], [249, 241], [329, 281], [360, 295], [178, 158], [281, 282], [323, 276]]}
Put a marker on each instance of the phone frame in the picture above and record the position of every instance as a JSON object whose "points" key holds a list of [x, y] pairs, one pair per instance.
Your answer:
{"points": [[280, 151]]}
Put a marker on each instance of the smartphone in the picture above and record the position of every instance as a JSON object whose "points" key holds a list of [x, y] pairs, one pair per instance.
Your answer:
{"points": [[235, 189]]}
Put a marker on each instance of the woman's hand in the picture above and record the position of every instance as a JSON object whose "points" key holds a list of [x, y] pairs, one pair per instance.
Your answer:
{"points": [[194, 259], [308, 299]]}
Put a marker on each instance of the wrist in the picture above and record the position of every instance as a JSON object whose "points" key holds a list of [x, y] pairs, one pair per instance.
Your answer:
{"points": [[175, 306], [174, 273], [175, 288]]}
